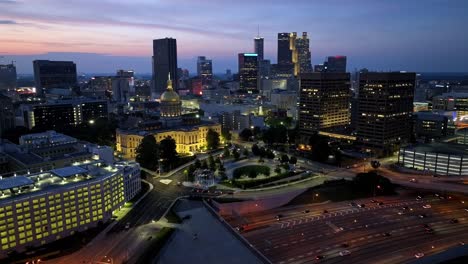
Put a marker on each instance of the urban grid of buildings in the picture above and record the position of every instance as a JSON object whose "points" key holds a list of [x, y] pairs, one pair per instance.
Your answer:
{"points": [[53, 185]]}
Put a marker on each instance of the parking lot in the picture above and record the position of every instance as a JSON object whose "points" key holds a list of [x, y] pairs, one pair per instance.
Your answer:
{"points": [[385, 230]]}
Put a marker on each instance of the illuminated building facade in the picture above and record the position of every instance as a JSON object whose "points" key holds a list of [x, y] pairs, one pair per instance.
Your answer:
{"points": [[300, 53], [457, 102], [54, 74], [248, 72], [205, 71], [436, 158], [62, 113], [323, 103], [189, 138], [384, 110], [36, 209]]}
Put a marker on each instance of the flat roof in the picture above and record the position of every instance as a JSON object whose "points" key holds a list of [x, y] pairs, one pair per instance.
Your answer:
{"points": [[441, 148], [14, 182], [66, 172]]}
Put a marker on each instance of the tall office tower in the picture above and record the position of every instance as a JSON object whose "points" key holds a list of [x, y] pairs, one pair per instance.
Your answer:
{"points": [[335, 64], [205, 71], [7, 114], [54, 74], [284, 51], [164, 62], [301, 57], [323, 103], [123, 86], [248, 72], [7, 77], [385, 106], [258, 47]]}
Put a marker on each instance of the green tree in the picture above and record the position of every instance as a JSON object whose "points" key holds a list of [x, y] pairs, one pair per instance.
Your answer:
{"points": [[236, 154], [204, 164], [293, 160], [245, 152], [245, 134], [226, 153], [226, 135], [255, 150], [190, 172], [197, 164], [278, 170], [284, 158], [168, 152], [212, 139], [147, 153]]}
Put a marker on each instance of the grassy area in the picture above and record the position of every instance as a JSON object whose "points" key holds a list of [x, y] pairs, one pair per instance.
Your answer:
{"points": [[252, 171], [172, 217], [156, 244], [255, 182]]}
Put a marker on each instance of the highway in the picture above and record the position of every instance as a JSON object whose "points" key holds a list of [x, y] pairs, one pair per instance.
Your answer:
{"points": [[299, 237]]}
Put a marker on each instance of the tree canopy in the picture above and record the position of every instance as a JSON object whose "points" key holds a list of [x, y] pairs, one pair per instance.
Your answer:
{"points": [[212, 139], [168, 152], [147, 153]]}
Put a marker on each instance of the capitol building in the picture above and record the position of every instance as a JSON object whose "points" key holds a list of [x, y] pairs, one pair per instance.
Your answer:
{"points": [[190, 137]]}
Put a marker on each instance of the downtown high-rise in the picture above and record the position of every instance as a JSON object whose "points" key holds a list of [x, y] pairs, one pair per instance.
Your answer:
{"points": [[301, 56], [258, 47], [164, 62], [7, 77], [54, 75], [323, 103], [248, 72], [205, 71], [385, 107]]}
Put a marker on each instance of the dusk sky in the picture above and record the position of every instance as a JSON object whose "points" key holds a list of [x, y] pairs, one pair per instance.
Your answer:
{"points": [[104, 35]]}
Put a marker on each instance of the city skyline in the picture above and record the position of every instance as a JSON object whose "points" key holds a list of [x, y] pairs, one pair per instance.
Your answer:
{"points": [[104, 36]]}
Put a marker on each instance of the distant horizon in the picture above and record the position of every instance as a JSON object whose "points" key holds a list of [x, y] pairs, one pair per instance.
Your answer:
{"points": [[102, 36]]}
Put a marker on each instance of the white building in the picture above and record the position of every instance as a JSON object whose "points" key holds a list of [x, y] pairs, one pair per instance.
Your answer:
{"points": [[40, 208]]}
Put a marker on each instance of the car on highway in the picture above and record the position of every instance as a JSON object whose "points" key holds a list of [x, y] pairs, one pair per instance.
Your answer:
{"points": [[419, 255], [425, 226], [325, 211], [278, 217], [306, 211], [345, 253], [429, 230], [422, 216], [413, 180], [319, 257], [380, 203], [427, 206], [345, 245], [361, 205], [419, 197], [453, 220], [386, 234], [240, 228], [352, 204], [405, 208], [400, 212]]}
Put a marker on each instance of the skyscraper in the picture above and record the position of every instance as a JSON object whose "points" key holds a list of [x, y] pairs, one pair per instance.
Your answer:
{"points": [[258, 47], [385, 106], [301, 57], [7, 114], [164, 62], [323, 103], [123, 86], [205, 71], [7, 77], [335, 64], [284, 51], [248, 72], [54, 74]]}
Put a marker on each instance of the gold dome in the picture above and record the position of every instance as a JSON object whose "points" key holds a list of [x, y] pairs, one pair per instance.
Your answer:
{"points": [[169, 95]]}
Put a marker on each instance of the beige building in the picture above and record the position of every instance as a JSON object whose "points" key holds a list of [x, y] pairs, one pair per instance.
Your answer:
{"points": [[189, 138]]}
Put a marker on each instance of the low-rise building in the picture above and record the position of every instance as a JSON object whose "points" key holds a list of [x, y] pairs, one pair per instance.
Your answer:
{"points": [[39, 208]]}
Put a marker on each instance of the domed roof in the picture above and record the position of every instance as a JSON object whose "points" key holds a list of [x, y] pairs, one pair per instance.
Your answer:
{"points": [[169, 95]]}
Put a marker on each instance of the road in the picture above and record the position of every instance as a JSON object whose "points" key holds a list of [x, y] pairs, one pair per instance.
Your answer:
{"points": [[299, 237]]}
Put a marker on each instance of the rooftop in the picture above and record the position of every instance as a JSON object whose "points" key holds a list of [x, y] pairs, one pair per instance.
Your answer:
{"points": [[441, 148]]}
